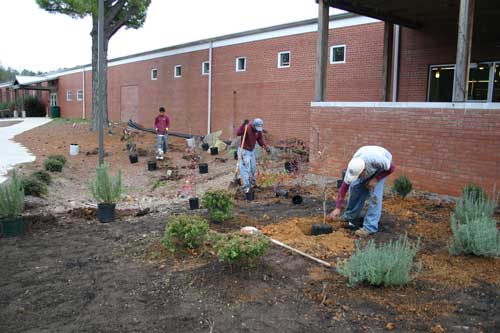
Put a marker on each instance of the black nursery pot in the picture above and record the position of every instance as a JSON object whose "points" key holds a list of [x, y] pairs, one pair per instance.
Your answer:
{"points": [[151, 165], [214, 151], [205, 146], [250, 196], [297, 199], [12, 226], [203, 167], [321, 229], [106, 212], [194, 203], [133, 158], [236, 155]]}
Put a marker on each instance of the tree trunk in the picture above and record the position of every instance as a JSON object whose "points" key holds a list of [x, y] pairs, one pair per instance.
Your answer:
{"points": [[95, 53]]}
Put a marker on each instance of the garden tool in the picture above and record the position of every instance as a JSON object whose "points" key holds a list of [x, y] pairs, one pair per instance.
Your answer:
{"points": [[237, 181]]}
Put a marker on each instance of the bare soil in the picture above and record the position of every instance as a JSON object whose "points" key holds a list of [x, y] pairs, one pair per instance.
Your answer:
{"points": [[72, 273]]}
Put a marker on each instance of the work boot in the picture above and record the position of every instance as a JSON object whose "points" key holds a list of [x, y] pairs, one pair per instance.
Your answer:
{"points": [[363, 233], [351, 226]]}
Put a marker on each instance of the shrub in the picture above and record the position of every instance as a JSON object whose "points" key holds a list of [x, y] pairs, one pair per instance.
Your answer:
{"points": [[42, 176], [60, 158], [390, 264], [53, 165], [34, 107], [106, 188], [474, 192], [185, 231], [35, 187], [471, 207], [477, 236], [402, 186], [219, 204], [240, 248], [11, 197]]}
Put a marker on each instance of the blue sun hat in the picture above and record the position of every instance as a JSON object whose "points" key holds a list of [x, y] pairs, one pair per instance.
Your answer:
{"points": [[258, 123]]}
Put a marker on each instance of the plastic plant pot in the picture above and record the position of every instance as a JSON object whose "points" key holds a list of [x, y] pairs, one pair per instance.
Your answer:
{"points": [[133, 158], [214, 151], [203, 168], [73, 149], [194, 203], [235, 155], [281, 192], [12, 226], [297, 199], [205, 146], [321, 229], [106, 212], [151, 165], [250, 196]]}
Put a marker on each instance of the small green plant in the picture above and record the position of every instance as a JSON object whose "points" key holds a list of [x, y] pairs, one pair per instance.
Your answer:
{"points": [[390, 264], [477, 236], [33, 186], [240, 248], [402, 186], [185, 231], [106, 188], [11, 197], [219, 204], [60, 158], [53, 165], [42, 176], [470, 207], [474, 192]]}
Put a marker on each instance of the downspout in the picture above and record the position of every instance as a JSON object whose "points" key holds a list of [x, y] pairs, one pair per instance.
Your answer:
{"points": [[83, 91], [209, 87], [395, 69]]}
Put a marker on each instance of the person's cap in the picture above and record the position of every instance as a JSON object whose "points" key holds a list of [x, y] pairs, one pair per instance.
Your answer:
{"points": [[354, 169], [162, 109], [258, 124]]}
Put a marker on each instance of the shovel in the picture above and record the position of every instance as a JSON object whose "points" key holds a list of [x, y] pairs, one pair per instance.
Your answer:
{"points": [[236, 181]]}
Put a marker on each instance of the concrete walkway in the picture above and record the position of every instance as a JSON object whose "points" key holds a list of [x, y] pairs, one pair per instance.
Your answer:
{"points": [[12, 153]]}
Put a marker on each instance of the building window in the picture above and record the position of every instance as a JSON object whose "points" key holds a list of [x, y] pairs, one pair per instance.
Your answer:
{"points": [[79, 95], [205, 68], [53, 99], [69, 95], [154, 74], [241, 64], [178, 71], [337, 54], [284, 59]]}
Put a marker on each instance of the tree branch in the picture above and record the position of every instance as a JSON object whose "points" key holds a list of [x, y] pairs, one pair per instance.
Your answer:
{"points": [[113, 12], [118, 24]]}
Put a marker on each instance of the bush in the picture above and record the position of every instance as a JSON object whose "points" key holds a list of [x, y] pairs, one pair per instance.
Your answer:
{"points": [[477, 236], [402, 186], [42, 176], [471, 207], [240, 248], [35, 187], [106, 188], [7, 106], [474, 192], [34, 107], [53, 165], [388, 265], [219, 204], [11, 197], [185, 231], [60, 158]]}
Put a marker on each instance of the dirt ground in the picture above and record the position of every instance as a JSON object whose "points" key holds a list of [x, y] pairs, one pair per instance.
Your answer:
{"points": [[72, 273]]}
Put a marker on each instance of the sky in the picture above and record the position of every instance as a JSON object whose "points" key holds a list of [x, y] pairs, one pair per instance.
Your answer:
{"points": [[36, 40]]}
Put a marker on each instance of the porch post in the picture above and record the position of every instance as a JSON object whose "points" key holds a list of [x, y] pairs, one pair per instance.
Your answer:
{"points": [[321, 51], [461, 78], [387, 60]]}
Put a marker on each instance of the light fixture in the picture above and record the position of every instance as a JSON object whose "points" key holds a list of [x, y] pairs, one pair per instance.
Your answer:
{"points": [[437, 75], [481, 68]]}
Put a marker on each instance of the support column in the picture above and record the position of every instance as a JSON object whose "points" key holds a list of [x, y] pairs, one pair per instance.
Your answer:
{"points": [[387, 60], [464, 42], [321, 51]]}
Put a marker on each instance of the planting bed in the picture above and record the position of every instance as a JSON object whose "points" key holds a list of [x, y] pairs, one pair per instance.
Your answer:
{"points": [[71, 273]]}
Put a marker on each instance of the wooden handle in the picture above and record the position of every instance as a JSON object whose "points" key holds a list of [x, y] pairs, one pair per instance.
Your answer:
{"points": [[241, 148]]}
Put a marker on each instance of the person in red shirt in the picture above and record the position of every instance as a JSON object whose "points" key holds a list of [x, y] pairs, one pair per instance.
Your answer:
{"points": [[162, 122], [247, 160]]}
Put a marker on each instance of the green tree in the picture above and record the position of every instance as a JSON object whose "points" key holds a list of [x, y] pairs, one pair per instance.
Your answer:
{"points": [[117, 13]]}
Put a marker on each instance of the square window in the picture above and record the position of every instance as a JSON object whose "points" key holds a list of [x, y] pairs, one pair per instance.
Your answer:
{"points": [[154, 74], [284, 59], [205, 68], [337, 54], [69, 95], [241, 64], [178, 71], [79, 95]]}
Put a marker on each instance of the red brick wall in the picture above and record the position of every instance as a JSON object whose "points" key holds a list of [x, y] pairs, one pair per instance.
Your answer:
{"points": [[441, 150], [73, 82]]}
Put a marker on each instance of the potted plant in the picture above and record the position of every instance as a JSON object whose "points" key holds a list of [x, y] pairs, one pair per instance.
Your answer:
{"points": [[107, 190], [11, 207]]}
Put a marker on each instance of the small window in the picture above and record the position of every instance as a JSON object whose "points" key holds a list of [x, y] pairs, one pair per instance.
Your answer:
{"points": [[241, 64], [284, 59], [69, 95], [79, 95], [154, 74], [337, 54], [178, 71], [205, 68]]}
